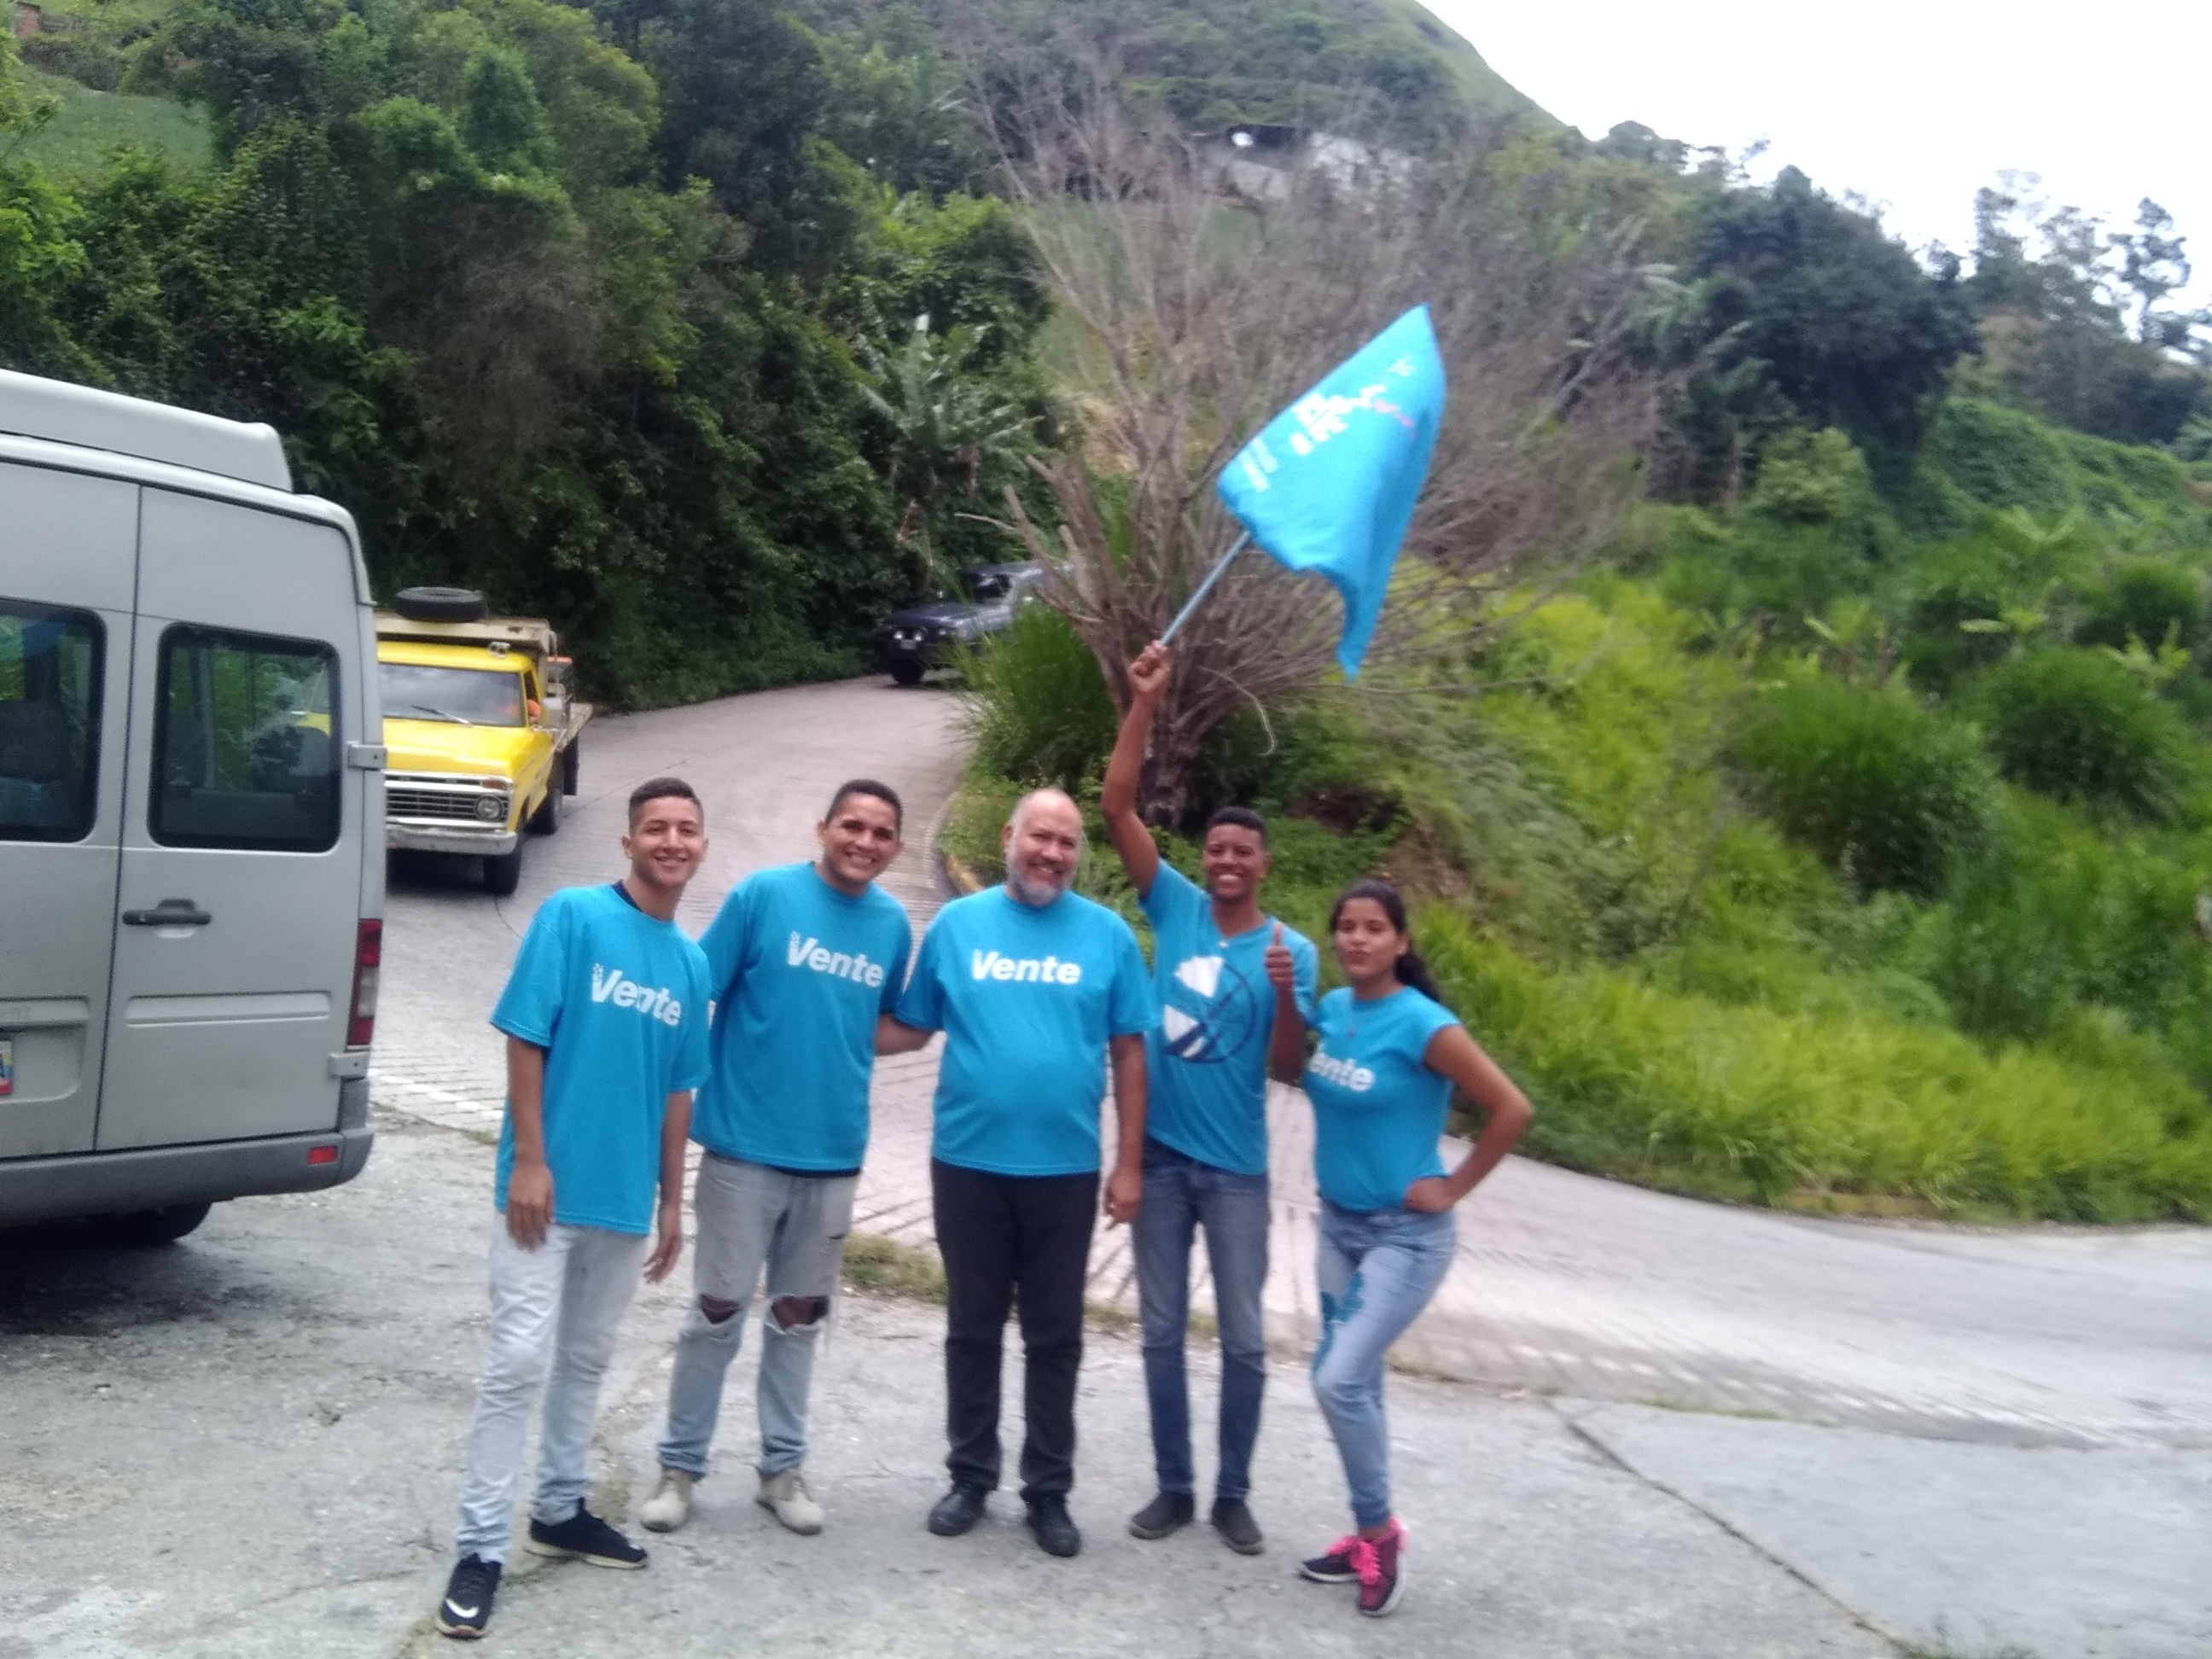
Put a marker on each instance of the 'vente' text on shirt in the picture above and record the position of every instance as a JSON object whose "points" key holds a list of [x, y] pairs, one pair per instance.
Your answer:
{"points": [[1044, 970], [612, 985]]}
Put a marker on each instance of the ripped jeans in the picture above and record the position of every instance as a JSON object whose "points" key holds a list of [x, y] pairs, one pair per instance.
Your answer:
{"points": [[1376, 1272], [751, 1217]]}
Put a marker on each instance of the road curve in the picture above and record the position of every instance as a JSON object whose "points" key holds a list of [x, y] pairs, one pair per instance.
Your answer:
{"points": [[1565, 1283]]}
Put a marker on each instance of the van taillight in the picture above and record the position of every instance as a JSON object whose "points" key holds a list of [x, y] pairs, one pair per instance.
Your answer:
{"points": [[368, 962]]}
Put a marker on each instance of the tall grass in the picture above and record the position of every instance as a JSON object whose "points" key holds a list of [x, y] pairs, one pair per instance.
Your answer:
{"points": [[1753, 1104]]}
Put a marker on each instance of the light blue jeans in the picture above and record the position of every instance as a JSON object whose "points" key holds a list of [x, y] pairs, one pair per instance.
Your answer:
{"points": [[752, 1217], [563, 1302], [1376, 1272]]}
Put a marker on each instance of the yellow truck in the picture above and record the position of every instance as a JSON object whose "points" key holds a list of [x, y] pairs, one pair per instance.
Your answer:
{"points": [[479, 728]]}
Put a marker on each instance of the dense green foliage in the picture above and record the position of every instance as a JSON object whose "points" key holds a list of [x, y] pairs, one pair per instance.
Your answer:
{"points": [[1768, 879], [572, 322], [1290, 62]]}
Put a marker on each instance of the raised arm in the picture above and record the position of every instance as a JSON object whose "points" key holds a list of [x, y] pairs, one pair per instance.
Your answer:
{"points": [[1117, 797], [1456, 1055]]}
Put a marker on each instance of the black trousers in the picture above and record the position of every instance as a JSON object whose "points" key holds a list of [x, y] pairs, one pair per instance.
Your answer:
{"points": [[1003, 1237]]}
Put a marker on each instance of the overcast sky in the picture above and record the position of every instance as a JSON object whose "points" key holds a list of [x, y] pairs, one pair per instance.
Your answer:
{"points": [[1914, 104]]}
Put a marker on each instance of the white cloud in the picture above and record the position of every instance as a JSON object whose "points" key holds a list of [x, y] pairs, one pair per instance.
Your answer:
{"points": [[1912, 106]]}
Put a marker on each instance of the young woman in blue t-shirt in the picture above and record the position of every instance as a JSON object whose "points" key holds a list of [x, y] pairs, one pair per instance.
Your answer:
{"points": [[1381, 1080]]}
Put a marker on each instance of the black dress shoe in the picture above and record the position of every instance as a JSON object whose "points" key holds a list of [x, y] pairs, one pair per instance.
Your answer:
{"points": [[957, 1512], [1056, 1532]]}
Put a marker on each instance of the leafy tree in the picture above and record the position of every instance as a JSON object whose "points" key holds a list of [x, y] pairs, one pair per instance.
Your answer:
{"points": [[1844, 322]]}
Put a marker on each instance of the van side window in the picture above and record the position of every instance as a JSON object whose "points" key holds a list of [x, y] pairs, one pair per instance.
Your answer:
{"points": [[244, 743], [50, 684]]}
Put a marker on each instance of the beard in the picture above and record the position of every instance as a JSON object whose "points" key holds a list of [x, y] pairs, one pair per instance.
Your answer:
{"points": [[1035, 890]]}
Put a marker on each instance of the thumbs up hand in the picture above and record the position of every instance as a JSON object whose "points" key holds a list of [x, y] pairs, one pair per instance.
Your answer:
{"points": [[1282, 967]]}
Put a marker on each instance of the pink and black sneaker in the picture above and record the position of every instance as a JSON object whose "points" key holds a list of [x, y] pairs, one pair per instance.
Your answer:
{"points": [[1376, 1565], [1381, 1568]]}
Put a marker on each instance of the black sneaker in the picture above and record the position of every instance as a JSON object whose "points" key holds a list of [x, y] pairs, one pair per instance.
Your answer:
{"points": [[1168, 1511], [583, 1537], [1232, 1519], [957, 1511], [1055, 1531], [469, 1593]]}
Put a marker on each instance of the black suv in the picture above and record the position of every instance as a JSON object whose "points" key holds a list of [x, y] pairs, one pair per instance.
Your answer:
{"points": [[923, 636]]}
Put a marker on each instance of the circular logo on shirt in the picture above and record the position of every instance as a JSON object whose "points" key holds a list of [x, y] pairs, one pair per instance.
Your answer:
{"points": [[1210, 1012]]}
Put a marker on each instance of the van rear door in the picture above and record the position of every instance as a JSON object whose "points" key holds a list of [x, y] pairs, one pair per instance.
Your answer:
{"points": [[65, 593], [242, 849]]}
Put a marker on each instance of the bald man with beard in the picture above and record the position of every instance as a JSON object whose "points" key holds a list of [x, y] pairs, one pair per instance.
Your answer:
{"points": [[1034, 988]]}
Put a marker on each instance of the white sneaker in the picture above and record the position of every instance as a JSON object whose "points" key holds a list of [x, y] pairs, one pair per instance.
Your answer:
{"points": [[785, 1494], [670, 1506]]}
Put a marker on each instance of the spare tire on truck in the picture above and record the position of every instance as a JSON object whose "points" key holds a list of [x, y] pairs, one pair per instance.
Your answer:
{"points": [[448, 604]]}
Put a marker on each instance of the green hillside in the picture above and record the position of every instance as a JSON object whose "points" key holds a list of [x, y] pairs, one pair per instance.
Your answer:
{"points": [[87, 125], [1214, 62]]}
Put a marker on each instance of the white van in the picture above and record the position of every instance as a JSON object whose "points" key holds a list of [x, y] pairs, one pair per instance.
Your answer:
{"points": [[192, 816]]}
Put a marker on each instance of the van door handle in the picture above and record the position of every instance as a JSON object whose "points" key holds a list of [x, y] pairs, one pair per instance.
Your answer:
{"points": [[170, 913]]}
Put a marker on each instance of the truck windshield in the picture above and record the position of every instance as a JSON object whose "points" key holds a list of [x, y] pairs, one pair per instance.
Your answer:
{"points": [[464, 696]]}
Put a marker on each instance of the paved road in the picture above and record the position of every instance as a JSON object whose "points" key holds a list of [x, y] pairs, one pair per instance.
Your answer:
{"points": [[1565, 1283]]}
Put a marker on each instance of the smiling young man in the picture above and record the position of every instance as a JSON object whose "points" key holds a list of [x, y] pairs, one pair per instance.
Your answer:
{"points": [[804, 960], [1206, 1145], [1033, 987], [606, 1020]]}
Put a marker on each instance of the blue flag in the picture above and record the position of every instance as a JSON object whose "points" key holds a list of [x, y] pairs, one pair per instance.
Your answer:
{"points": [[1330, 484]]}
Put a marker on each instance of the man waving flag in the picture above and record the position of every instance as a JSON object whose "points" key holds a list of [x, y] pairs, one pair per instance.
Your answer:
{"points": [[1330, 484]]}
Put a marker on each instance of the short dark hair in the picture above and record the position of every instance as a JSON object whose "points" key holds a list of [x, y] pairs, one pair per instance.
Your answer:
{"points": [[1244, 817], [882, 792], [663, 789]]}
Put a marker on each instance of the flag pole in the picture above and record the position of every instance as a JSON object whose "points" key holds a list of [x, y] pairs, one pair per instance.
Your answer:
{"points": [[1205, 587]]}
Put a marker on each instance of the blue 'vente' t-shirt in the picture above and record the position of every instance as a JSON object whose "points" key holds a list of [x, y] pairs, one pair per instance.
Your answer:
{"points": [[617, 999], [1378, 1111], [1207, 1063], [1026, 997], [800, 970]]}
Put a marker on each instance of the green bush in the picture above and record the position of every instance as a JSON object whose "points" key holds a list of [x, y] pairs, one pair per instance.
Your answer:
{"points": [[1870, 780], [2054, 919], [2148, 599], [1035, 703], [2077, 726], [84, 58], [1750, 1103]]}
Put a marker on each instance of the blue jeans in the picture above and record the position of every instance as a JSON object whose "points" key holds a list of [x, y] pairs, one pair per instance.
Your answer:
{"points": [[560, 1304], [751, 1218], [1376, 1272], [1181, 1194]]}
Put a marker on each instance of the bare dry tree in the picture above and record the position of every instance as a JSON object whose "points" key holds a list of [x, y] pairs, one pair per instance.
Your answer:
{"points": [[1203, 292]]}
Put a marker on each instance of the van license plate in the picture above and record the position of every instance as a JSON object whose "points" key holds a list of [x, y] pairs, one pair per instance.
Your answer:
{"points": [[7, 1066]]}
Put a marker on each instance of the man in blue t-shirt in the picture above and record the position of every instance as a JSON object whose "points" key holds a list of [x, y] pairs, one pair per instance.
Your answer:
{"points": [[1206, 1145], [1033, 987], [605, 1019], [805, 960]]}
